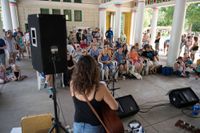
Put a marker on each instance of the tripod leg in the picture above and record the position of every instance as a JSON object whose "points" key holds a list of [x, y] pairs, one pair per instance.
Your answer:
{"points": [[51, 129], [63, 128]]}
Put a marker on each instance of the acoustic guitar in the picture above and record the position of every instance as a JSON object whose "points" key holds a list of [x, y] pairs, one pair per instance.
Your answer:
{"points": [[108, 118], [111, 119]]}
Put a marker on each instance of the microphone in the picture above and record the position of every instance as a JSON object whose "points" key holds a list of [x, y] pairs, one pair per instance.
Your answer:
{"points": [[54, 49]]}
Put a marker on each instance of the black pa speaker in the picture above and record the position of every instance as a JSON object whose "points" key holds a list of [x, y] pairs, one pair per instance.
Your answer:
{"points": [[183, 97], [127, 106], [48, 41]]}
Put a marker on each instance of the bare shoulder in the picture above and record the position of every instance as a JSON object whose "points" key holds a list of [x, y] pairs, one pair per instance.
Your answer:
{"points": [[102, 86], [101, 90]]}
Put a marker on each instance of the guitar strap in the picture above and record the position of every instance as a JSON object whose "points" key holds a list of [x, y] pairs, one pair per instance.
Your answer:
{"points": [[96, 114]]}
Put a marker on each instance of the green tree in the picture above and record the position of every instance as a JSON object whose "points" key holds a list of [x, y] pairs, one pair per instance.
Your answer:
{"points": [[165, 16], [193, 17]]}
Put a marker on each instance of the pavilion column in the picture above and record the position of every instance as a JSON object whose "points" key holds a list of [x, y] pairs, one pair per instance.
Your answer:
{"points": [[6, 16], [102, 21], [112, 20], [139, 22], [14, 15], [154, 25], [118, 15], [177, 27], [133, 22]]}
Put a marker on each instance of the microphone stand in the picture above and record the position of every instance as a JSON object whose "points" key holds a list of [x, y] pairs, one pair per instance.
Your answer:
{"points": [[113, 83]]}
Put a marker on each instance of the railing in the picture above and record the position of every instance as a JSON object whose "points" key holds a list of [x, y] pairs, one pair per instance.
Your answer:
{"points": [[150, 2], [104, 1]]}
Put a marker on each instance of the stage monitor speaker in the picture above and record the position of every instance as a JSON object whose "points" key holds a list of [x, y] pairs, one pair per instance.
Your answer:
{"points": [[183, 97], [48, 40], [127, 106]]}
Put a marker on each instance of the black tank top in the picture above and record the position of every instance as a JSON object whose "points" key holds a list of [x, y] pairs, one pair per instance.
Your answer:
{"points": [[84, 114]]}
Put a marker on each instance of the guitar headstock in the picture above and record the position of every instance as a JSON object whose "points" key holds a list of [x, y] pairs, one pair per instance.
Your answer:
{"points": [[187, 126]]}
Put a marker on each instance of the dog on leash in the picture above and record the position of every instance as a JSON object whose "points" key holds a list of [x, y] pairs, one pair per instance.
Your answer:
{"points": [[135, 74], [147, 64]]}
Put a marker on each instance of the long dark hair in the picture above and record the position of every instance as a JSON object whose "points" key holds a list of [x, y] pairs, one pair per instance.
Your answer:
{"points": [[85, 75]]}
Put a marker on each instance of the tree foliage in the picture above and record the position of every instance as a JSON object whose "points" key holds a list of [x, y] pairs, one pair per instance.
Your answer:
{"points": [[193, 16], [193, 13], [165, 16]]}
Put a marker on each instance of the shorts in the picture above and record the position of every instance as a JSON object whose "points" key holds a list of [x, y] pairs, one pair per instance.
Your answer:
{"points": [[109, 66], [80, 127]]}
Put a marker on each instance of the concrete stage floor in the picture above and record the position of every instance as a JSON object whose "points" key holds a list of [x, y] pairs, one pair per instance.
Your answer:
{"points": [[18, 99]]}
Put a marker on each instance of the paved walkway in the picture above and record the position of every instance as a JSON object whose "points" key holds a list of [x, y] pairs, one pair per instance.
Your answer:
{"points": [[18, 99]]}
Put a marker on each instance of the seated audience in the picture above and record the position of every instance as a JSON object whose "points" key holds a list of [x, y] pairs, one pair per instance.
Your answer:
{"points": [[94, 51], [179, 67], [197, 68], [135, 60], [120, 57], [105, 59], [77, 53]]}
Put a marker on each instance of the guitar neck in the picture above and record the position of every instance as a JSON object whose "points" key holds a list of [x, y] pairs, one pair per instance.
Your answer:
{"points": [[186, 126]]}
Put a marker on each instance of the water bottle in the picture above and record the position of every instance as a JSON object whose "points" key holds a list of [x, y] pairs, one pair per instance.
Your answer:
{"points": [[195, 109]]}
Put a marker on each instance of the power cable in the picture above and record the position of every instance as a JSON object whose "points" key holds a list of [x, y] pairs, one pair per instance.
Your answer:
{"points": [[146, 110], [189, 114]]}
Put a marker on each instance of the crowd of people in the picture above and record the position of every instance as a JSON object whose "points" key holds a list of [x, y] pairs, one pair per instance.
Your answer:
{"points": [[13, 45], [116, 60], [185, 64], [114, 57]]}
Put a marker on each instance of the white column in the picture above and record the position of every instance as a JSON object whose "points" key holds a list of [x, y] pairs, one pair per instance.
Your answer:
{"points": [[7, 22], [14, 15], [133, 22], [112, 20], [102, 21], [139, 22], [118, 15], [154, 25], [177, 26], [113, 23]]}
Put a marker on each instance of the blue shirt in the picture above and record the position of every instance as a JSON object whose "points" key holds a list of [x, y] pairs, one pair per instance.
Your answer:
{"points": [[120, 58], [109, 34], [94, 53]]}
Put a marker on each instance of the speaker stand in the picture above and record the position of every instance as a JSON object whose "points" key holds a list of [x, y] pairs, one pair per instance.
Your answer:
{"points": [[56, 123]]}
